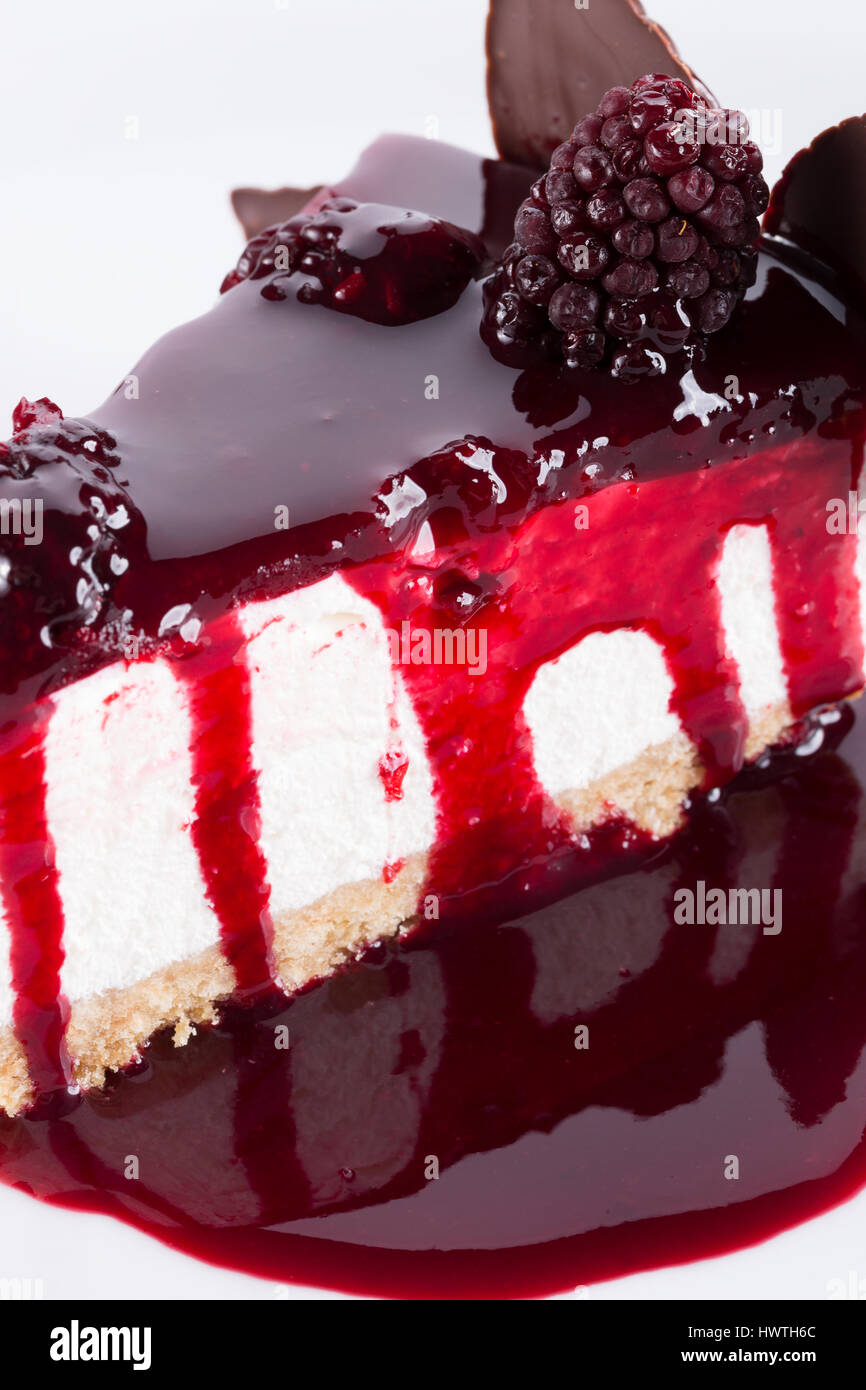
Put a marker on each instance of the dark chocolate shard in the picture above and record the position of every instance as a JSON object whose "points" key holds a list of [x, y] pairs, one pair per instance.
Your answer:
{"points": [[505, 187], [819, 202], [257, 208], [549, 62]]}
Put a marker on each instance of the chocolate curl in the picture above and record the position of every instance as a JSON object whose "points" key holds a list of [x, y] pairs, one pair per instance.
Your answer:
{"points": [[549, 62], [257, 208], [819, 203]]}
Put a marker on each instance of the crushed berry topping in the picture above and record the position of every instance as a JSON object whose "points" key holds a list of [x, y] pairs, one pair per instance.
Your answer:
{"points": [[638, 242], [382, 264], [71, 533], [29, 413]]}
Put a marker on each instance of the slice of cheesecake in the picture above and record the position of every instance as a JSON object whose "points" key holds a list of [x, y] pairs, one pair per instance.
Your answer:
{"points": [[339, 623]]}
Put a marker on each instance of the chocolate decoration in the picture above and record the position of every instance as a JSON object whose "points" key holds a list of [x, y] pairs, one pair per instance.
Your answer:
{"points": [[549, 63], [505, 187], [819, 202], [257, 208]]}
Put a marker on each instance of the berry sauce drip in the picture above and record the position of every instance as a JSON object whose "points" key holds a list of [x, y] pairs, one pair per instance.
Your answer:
{"points": [[165, 503], [393, 767], [227, 817], [311, 1164], [34, 912], [639, 241]]}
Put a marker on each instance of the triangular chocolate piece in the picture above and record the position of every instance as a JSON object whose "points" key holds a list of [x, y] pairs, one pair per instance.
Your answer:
{"points": [[549, 62], [819, 202], [257, 208]]}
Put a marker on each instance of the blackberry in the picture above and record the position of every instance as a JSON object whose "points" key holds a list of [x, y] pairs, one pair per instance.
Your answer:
{"points": [[640, 239], [382, 264], [76, 533]]}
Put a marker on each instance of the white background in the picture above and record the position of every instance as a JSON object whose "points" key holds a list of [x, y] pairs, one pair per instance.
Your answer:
{"points": [[106, 241]]}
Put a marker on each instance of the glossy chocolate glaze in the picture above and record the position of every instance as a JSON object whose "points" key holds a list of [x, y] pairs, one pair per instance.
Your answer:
{"points": [[216, 421]]}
